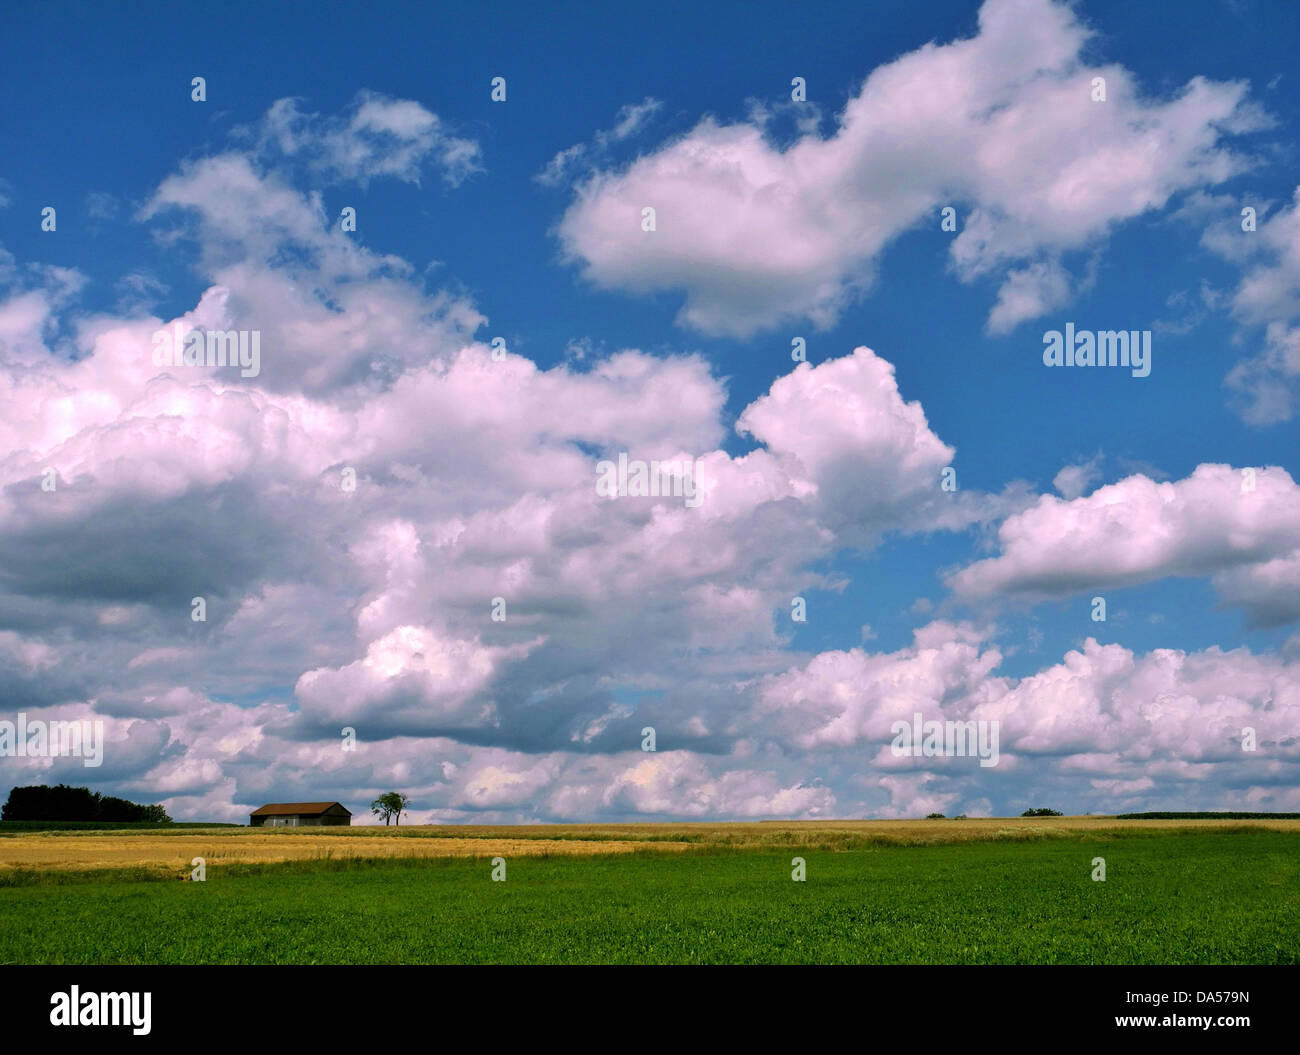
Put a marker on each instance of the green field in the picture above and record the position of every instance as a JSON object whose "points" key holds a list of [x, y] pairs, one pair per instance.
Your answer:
{"points": [[1180, 897]]}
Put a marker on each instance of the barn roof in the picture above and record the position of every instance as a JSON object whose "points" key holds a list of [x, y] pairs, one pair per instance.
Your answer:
{"points": [[304, 809]]}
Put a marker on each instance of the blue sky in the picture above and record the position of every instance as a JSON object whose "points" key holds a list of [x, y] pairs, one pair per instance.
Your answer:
{"points": [[777, 219]]}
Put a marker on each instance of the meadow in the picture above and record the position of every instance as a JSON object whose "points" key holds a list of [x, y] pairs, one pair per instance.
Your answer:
{"points": [[1003, 891]]}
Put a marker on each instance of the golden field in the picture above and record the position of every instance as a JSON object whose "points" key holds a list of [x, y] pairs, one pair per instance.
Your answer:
{"points": [[173, 851], [47, 851]]}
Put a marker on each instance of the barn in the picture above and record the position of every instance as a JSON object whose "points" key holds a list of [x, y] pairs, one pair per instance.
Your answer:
{"points": [[296, 814]]}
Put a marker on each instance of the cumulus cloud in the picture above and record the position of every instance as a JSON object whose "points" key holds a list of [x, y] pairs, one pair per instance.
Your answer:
{"points": [[376, 137], [370, 606], [410, 675], [1259, 237], [1001, 126], [271, 254], [862, 456], [1241, 529], [177, 482], [373, 603], [1266, 386], [1073, 481], [848, 698], [1028, 293], [1105, 725]]}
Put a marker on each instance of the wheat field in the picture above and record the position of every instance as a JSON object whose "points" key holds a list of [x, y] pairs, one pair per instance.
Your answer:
{"points": [[174, 851]]}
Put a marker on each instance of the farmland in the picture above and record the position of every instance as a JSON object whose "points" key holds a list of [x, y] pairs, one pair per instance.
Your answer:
{"points": [[1001, 891], [169, 851]]}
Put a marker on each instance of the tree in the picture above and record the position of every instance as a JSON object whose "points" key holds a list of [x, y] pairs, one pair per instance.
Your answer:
{"points": [[155, 813], [934, 817], [390, 806], [1041, 813], [64, 803]]}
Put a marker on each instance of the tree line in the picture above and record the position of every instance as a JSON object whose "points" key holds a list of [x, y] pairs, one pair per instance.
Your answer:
{"points": [[64, 803]]}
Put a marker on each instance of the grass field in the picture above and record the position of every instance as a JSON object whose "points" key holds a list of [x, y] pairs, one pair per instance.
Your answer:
{"points": [[168, 852], [907, 892]]}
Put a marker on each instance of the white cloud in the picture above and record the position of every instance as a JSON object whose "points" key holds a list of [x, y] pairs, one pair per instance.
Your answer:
{"points": [[1028, 293], [1210, 524], [1073, 481], [1267, 386], [414, 677], [475, 479], [378, 136], [631, 119], [1001, 126], [1104, 726]]}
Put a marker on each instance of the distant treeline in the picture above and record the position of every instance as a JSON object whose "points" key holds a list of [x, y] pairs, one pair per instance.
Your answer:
{"points": [[88, 826], [64, 803], [1207, 816]]}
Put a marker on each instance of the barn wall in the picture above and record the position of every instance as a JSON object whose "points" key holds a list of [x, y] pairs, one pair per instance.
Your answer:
{"points": [[335, 815]]}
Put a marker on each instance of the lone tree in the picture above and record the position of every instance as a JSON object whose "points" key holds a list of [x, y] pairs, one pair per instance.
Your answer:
{"points": [[390, 806], [1041, 813]]}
